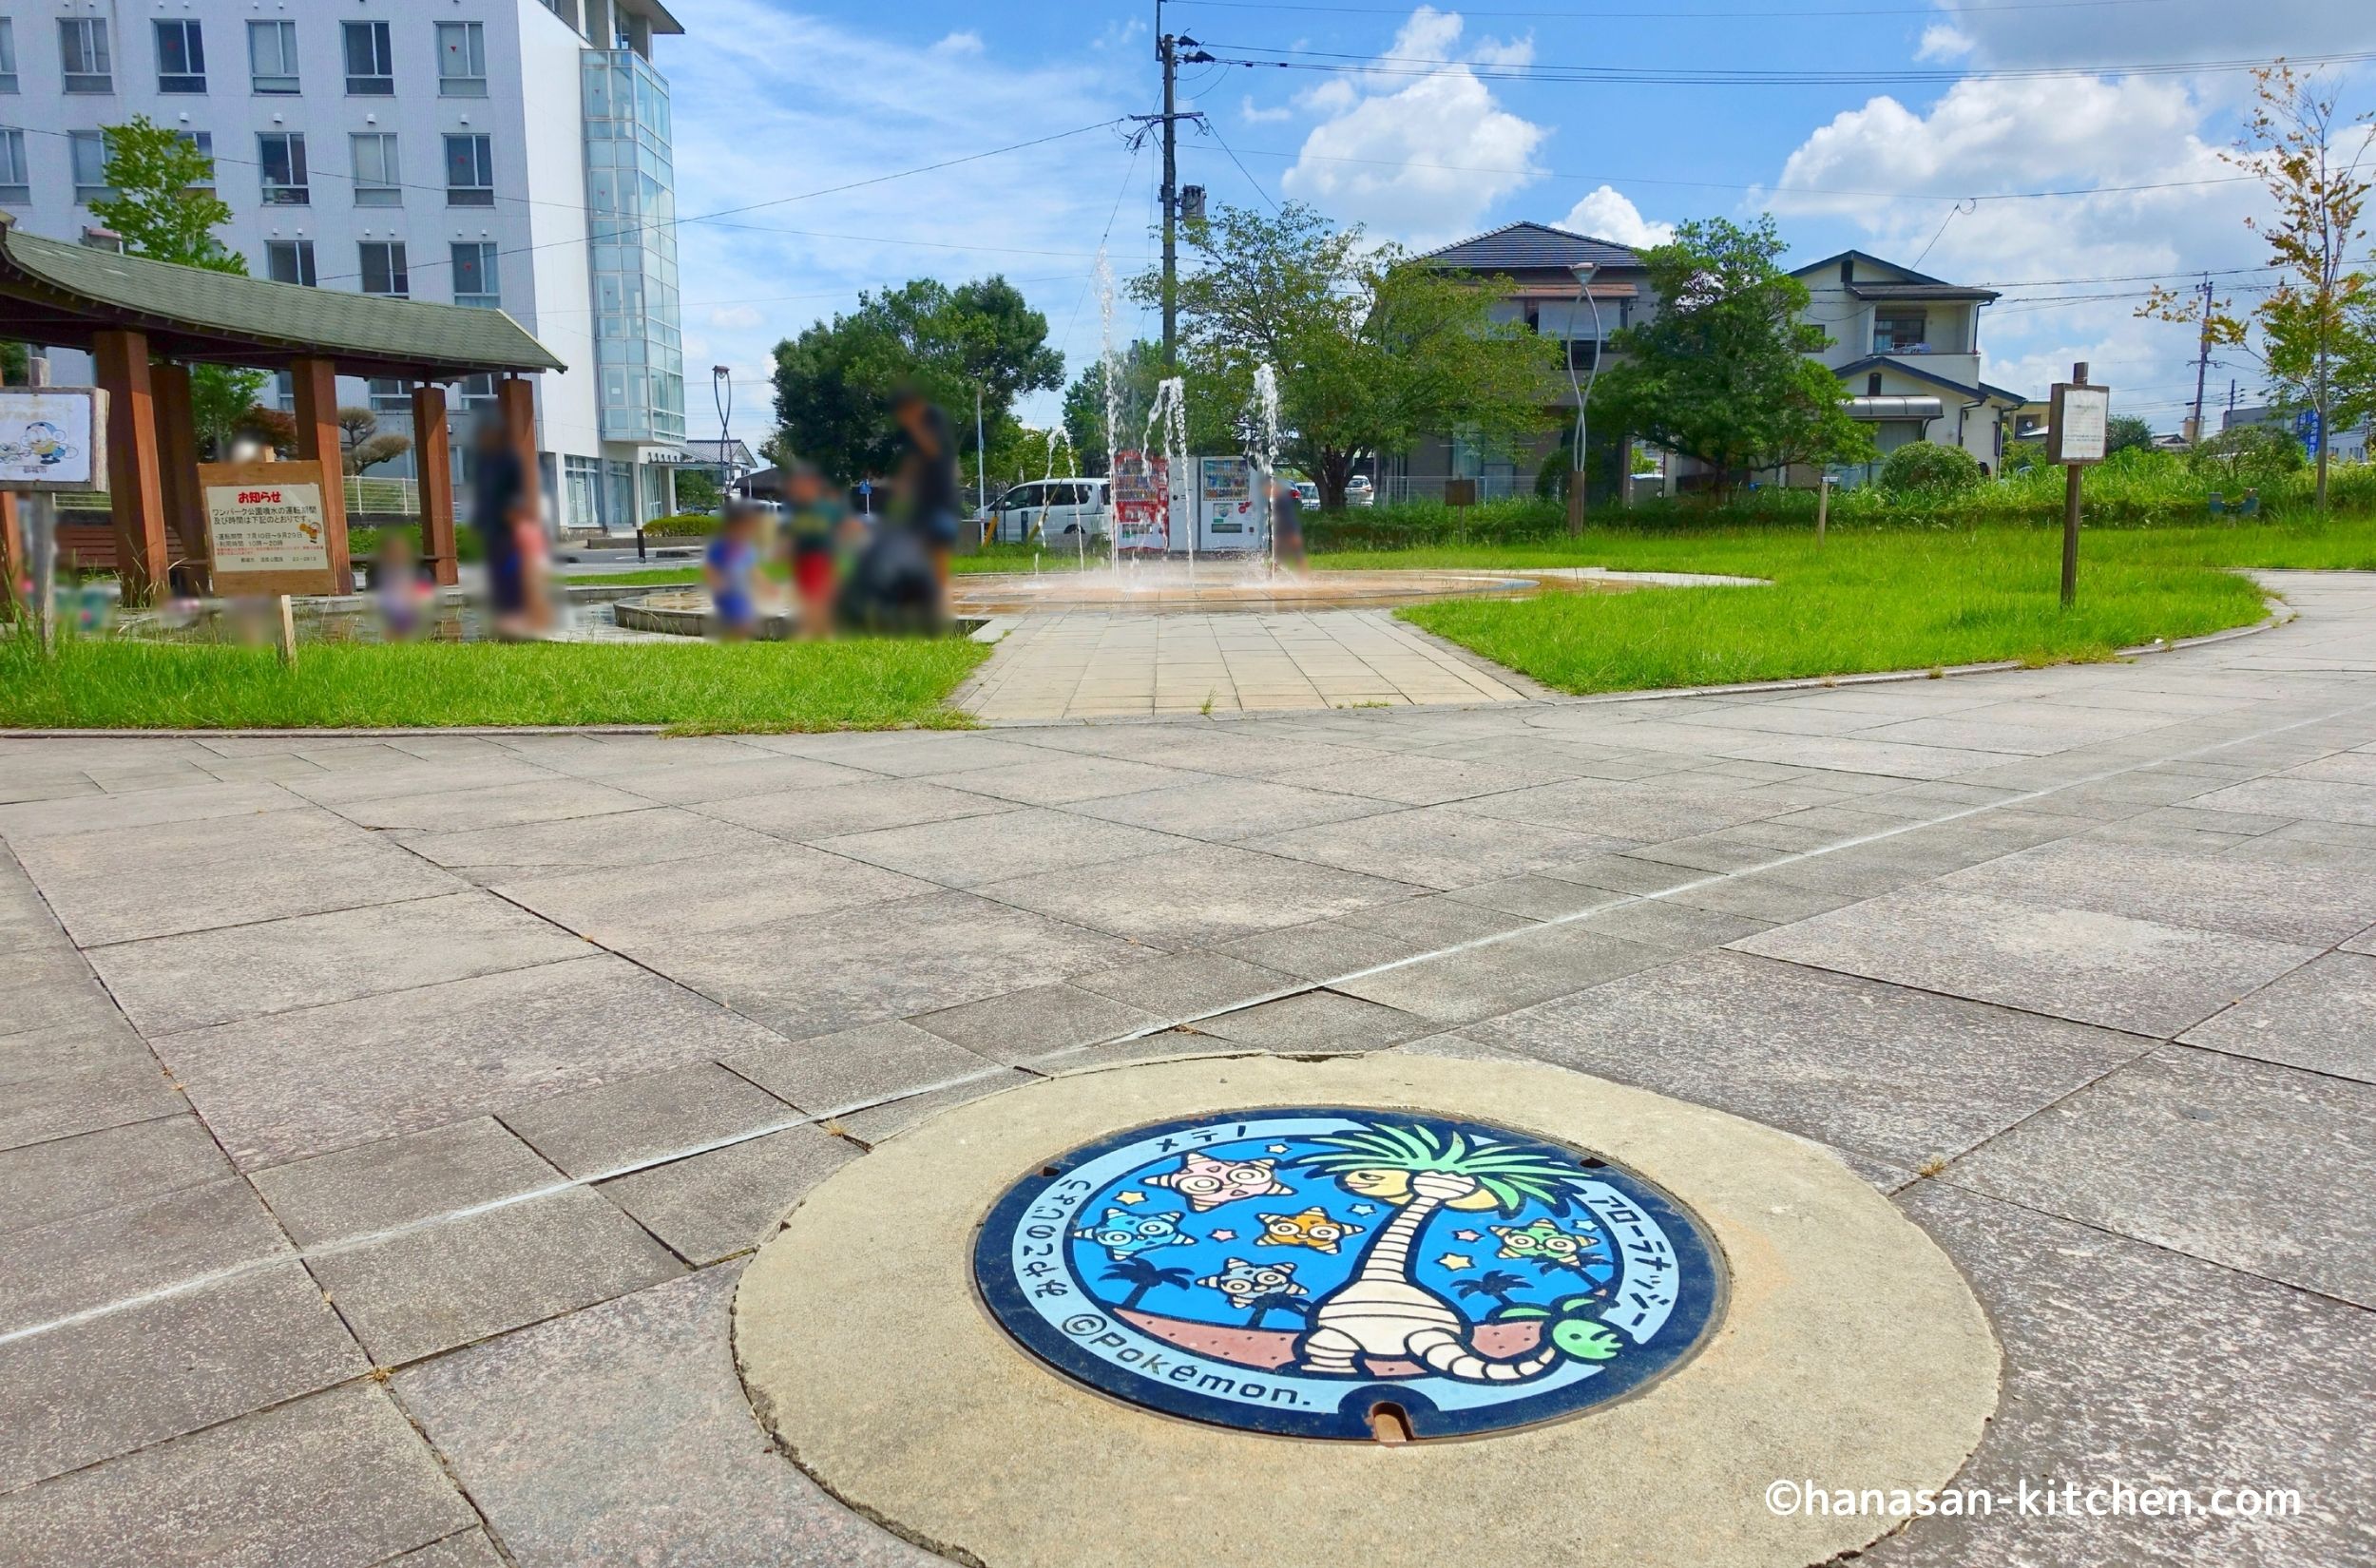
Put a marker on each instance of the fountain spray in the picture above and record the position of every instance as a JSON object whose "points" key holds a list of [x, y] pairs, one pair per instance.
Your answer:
{"points": [[1170, 413], [1110, 372], [1265, 455]]}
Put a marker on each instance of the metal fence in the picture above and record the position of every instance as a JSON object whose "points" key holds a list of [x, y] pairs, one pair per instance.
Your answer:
{"points": [[1430, 487], [365, 496]]}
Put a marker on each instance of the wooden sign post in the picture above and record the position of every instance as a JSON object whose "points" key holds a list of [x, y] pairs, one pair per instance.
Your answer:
{"points": [[52, 439], [2080, 425], [266, 532]]}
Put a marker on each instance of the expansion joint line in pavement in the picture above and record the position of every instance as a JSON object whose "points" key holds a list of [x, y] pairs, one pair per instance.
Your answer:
{"points": [[1300, 987]]}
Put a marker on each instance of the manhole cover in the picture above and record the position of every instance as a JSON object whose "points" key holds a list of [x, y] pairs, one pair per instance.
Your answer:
{"points": [[1342, 1273]]}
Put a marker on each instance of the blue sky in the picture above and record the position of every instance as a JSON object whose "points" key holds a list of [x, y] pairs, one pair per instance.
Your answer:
{"points": [[1420, 132]]}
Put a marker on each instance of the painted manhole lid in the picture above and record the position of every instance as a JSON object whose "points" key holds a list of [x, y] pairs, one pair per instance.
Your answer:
{"points": [[1343, 1273]]}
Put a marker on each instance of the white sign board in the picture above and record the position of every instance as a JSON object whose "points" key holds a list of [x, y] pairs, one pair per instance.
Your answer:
{"points": [[53, 438], [2080, 424], [265, 527]]}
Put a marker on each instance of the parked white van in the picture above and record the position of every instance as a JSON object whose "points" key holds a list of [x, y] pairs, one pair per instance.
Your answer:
{"points": [[1056, 509]]}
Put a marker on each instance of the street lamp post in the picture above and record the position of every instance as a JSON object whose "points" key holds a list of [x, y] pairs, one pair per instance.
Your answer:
{"points": [[1583, 271], [722, 392]]}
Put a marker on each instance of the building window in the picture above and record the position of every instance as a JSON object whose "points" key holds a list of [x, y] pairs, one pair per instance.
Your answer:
{"points": [[377, 183], [290, 262], [1898, 332], [203, 143], [83, 49], [389, 394], [370, 60], [281, 156], [7, 55], [384, 271], [584, 476], [181, 57], [272, 57], [16, 180], [283, 390], [470, 171], [90, 167], [462, 59], [474, 277], [476, 392]]}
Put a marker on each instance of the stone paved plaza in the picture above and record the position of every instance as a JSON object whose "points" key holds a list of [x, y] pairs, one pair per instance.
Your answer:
{"points": [[387, 1120]]}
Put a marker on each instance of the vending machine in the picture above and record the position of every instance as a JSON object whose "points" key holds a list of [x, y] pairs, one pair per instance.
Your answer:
{"points": [[1230, 517], [1142, 504]]}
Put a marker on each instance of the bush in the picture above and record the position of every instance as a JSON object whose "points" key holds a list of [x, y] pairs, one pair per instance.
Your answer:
{"points": [[682, 525], [1926, 465], [2250, 455]]}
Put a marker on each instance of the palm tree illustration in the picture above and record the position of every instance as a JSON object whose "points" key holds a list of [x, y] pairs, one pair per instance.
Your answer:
{"points": [[1275, 1301], [1141, 1276], [1500, 1284], [1382, 1310]]}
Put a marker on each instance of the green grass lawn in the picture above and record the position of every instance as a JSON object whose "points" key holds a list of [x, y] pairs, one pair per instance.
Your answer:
{"points": [[1863, 600], [649, 576], [693, 688]]}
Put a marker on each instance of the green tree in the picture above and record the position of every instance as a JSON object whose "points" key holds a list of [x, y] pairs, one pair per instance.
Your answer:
{"points": [[695, 490], [1723, 372], [833, 383], [1140, 368], [363, 445], [1372, 349], [164, 208], [2126, 430], [2317, 329]]}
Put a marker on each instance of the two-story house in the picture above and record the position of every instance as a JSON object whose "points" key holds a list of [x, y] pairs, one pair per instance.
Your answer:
{"points": [[1538, 263], [1906, 347]]}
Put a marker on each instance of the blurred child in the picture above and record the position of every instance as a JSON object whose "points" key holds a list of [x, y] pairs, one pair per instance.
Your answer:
{"points": [[404, 599], [815, 525], [729, 567]]}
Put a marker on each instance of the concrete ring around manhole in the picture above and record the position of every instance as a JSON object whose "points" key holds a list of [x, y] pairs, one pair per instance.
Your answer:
{"points": [[1372, 1310]]}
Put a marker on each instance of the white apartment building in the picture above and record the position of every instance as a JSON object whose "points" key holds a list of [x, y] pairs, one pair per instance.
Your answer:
{"points": [[513, 154]]}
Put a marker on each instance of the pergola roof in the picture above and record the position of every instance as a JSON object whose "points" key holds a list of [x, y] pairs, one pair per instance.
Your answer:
{"points": [[53, 292]]}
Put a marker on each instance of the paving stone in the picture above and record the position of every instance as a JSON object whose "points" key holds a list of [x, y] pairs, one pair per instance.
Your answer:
{"points": [[807, 815], [650, 837], [692, 783], [340, 1480], [401, 1181], [2318, 1017], [1877, 1070], [663, 909], [2138, 975], [471, 1549], [82, 813], [273, 1089], [1416, 780], [1535, 897], [597, 1131], [1385, 934], [110, 1384], [66, 1176], [71, 1078], [878, 1123], [1197, 896], [1023, 1024], [581, 1439], [831, 1074], [1057, 780], [1625, 874], [729, 1200], [549, 799], [1185, 984], [2296, 797], [65, 996], [187, 982], [71, 1266], [1650, 812], [817, 973], [1228, 812], [908, 755], [445, 1285], [2246, 1163], [1316, 1021], [968, 853], [1670, 922], [2123, 1362], [1436, 846], [1760, 897], [2285, 903], [1519, 971]]}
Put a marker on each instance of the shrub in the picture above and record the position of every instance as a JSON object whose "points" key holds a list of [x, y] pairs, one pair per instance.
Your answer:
{"points": [[2250, 455], [1926, 465], [682, 525]]}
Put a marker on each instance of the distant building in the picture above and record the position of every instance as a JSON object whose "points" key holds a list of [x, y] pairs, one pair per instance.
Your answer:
{"points": [[2348, 446], [727, 463]]}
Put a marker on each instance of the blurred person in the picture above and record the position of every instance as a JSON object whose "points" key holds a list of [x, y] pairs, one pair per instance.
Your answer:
{"points": [[728, 568], [927, 480], [898, 584], [510, 539], [403, 595], [1287, 526], [816, 527]]}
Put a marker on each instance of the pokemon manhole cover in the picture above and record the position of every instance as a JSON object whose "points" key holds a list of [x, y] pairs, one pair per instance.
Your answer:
{"points": [[1343, 1273]]}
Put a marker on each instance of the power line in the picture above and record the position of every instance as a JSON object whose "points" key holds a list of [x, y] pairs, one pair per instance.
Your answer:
{"points": [[1387, 65], [1790, 16], [1216, 135]]}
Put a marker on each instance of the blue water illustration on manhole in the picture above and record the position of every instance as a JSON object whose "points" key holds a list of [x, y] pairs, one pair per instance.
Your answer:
{"points": [[1323, 1272]]}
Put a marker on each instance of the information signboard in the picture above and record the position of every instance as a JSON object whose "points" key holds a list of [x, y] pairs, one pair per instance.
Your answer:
{"points": [[53, 438], [265, 532], [2079, 423]]}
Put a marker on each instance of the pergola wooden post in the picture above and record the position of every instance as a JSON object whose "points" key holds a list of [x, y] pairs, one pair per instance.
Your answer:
{"points": [[434, 460], [177, 460], [515, 398], [316, 382], [135, 486], [11, 554]]}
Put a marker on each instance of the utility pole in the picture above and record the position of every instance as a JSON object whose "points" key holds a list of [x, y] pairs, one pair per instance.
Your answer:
{"points": [[2202, 365], [1167, 50]]}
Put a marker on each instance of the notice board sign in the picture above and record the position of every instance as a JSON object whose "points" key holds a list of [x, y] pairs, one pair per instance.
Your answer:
{"points": [[53, 438], [265, 533], [2079, 423]]}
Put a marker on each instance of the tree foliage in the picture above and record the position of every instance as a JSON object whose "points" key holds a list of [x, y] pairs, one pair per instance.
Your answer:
{"points": [[695, 490], [164, 208], [1139, 367], [2248, 454], [363, 445], [833, 383], [2314, 332], [1721, 373], [2126, 430], [1371, 348]]}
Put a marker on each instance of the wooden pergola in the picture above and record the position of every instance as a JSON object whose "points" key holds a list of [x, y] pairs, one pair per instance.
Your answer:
{"points": [[145, 324]]}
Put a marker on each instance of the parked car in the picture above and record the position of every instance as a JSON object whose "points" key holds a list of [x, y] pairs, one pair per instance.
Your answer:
{"points": [[1360, 493], [1308, 494], [1057, 507]]}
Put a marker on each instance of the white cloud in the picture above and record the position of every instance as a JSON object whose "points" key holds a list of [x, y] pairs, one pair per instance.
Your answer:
{"points": [[967, 42], [737, 319], [1407, 154], [1255, 114], [1608, 213], [1944, 42]]}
